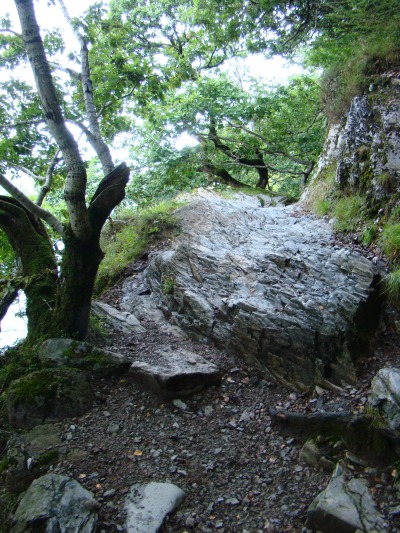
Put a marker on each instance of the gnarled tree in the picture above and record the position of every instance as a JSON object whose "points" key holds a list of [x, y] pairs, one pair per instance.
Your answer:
{"points": [[58, 299]]}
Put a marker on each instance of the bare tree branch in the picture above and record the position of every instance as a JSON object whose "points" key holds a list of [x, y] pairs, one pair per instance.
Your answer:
{"points": [[25, 170], [45, 215], [48, 179], [98, 143]]}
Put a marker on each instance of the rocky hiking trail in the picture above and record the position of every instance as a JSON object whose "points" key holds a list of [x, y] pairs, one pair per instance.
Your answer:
{"points": [[239, 470]]}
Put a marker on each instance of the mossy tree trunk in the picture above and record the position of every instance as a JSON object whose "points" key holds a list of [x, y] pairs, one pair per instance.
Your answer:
{"points": [[32, 246], [58, 300]]}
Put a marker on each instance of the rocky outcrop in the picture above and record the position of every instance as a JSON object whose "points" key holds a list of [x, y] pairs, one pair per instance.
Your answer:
{"points": [[60, 353], [56, 503], [364, 150], [47, 396], [268, 284]]}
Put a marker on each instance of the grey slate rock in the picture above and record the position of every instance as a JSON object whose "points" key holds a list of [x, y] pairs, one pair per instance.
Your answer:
{"points": [[344, 507], [59, 353], [57, 503], [268, 285], [176, 373], [148, 505], [120, 320], [385, 395], [47, 396]]}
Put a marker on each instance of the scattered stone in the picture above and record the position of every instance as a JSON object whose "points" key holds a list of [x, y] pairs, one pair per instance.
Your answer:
{"points": [[310, 453], [176, 373], [47, 396], [179, 404], [148, 505], [385, 395], [344, 507], [58, 503], [59, 353]]}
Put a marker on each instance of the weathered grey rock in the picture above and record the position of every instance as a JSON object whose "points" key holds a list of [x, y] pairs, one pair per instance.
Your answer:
{"points": [[267, 284], [119, 320], [176, 373], [147, 506], [344, 507], [385, 395], [47, 396], [57, 503], [364, 150], [59, 353]]}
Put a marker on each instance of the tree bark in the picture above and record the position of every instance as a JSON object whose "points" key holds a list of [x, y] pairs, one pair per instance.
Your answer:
{"points": [[222, 174], [31, 244], [257, 162], [75, 185]]}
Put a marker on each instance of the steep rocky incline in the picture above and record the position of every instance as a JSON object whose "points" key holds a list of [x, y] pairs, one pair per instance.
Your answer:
{"points": [[268, 283]]}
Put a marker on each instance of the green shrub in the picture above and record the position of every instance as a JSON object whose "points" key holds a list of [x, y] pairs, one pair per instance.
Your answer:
{"points": [[390, 240], [129, 236]]}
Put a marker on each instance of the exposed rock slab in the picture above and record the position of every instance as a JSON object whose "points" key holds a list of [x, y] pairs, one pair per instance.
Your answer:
{"points": [[119, 320], [344, 507], [148, 505], [59, 353], [48, 396], [385, 395], [57, 503], [268, 284], [176, 373]]}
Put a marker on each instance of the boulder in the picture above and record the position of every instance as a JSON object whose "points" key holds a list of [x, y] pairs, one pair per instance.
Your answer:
{"points": [[269, 285], [385, 395], [148, 505], [56, 503], [48, 395], [59, 353], [344, 507], [176, 373]]}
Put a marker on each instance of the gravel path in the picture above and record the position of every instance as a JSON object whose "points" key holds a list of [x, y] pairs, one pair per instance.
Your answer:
{"points": [[239, 473]]}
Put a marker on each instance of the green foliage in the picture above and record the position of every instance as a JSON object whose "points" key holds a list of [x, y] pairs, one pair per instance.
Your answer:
{"points": [[168, 285], [8, 503], [347, 212], [392, 283], [126, 239], [369, 233], [17, 362], [390, 240]]}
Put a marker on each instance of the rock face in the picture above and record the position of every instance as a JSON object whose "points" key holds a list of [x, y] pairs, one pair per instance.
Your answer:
{"points": [[56, 503], [176, 373], [385, 395], [344, 507], [365, 150], [59, 353], [147, 506], [47, 396], [268, 284]]}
